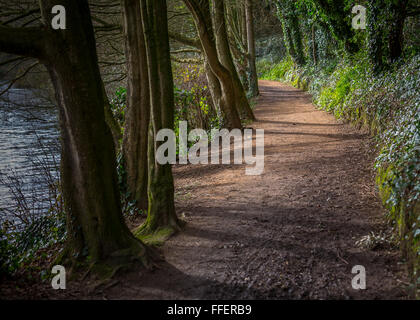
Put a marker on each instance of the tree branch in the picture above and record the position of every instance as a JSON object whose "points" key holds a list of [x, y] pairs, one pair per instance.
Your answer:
{"points": [[18, 78], [24, 15], [28, 42], [185, 40]]}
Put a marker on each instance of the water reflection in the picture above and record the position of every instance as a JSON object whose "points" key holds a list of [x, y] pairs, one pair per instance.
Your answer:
{"points": [[28, 141]]}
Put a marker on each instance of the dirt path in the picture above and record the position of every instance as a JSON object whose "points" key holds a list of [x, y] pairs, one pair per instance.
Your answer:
{"points": [[289, 233]]}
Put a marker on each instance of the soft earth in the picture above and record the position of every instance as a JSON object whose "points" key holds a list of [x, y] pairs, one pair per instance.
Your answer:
{"points": [[290, 233]]}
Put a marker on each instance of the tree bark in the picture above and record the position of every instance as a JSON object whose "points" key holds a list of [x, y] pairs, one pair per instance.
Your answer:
{"points": [[135, 144], [374, 28], [244, 24], [112, 122], [396, 35], [287, 16], [161, 212], [95, 226], [202, 18], [253, 77], [214, 86], [225, 56], [313, 42]]}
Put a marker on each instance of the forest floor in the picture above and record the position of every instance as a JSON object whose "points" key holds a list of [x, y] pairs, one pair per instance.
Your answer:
{"points": [[288, 234]]}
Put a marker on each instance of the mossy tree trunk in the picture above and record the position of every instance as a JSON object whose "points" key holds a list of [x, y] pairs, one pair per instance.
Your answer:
{"points": [[396, 35], [95, 225], [138, 105], [253, 77], [375, 33], [161, 211], [291, 31]]}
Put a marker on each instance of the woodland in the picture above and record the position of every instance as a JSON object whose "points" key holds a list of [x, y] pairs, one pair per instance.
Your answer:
{"points": [[336, 91]]}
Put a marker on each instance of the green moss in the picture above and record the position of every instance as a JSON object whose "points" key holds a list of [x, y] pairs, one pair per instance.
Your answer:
{"points": [[277, 72], [384, 179], [156, 238]]}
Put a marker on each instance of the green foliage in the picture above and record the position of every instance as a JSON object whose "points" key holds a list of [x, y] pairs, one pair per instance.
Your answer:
{"points": [[389, 105], [335, 15], [193, 101], [271, 48], [19, 246], [156, 238], [118, 105], [288, 13], [8, 255], [277, 72], [128, 206]]}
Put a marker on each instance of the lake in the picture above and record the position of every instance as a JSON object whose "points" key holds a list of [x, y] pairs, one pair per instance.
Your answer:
{"points": [[29, 147]]}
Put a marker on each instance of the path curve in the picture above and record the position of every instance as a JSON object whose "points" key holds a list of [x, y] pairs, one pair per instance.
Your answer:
{"points": [[287, 234]]}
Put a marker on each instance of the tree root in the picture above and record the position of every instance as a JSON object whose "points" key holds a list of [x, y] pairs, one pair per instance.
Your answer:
{"points": [[158, 236]]}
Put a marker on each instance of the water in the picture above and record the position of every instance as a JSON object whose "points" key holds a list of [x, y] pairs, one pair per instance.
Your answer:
{"points": [[28, 148]]}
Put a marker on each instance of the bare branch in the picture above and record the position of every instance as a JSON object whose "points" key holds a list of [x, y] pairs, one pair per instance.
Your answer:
{"points": [[18, 78], [22, 41]]}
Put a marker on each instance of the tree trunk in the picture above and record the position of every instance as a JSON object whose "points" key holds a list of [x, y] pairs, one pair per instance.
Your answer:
{"points": [[253, 77], [112, 122], [244, 24], [375, 43], [161, 212], [95, 225], [202, 18], [396, 36], [214, 86], [313, 41], [225, 56], [138, 106]]}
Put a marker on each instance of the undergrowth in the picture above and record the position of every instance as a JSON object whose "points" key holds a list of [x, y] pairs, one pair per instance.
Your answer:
{"points": [[388, 104]]}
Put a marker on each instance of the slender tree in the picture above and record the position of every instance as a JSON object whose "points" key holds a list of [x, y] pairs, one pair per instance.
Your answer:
{"points": [[291, 30], [135, 145], [375, 33], [396, 37], [225, 56], [253, 77], [161, 212]]}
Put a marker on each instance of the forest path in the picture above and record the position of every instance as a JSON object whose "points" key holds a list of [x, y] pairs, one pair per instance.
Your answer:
{"points": [[287, 234]]}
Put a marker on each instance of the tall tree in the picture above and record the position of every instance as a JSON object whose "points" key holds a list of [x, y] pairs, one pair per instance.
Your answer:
{"points": [[375, 28], [95, 226], [135, 144], [291, 30], [398, 10], [253, 78], [200, 10], [237, 31], [161, 212], [225, 56]]}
